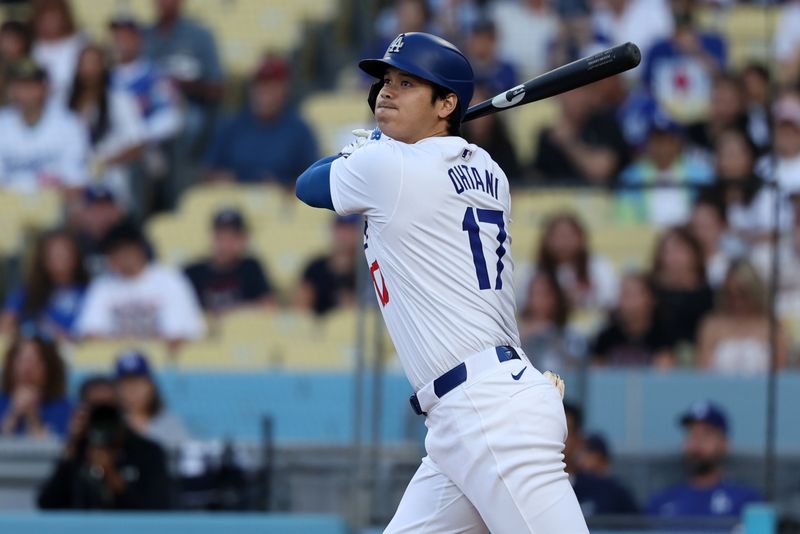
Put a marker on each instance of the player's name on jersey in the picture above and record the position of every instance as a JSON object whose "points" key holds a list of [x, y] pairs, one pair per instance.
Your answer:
{"points": [[466, 178]]}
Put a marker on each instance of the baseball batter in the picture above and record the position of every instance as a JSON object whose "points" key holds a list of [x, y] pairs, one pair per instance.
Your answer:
{"points": [[437, 243]]}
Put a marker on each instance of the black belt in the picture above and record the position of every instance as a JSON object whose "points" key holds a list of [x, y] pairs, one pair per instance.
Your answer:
{"points": [[458, 375]]}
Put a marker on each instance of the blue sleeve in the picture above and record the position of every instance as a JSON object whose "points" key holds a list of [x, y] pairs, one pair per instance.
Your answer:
{"points": [[314, 186], [15, 300]]}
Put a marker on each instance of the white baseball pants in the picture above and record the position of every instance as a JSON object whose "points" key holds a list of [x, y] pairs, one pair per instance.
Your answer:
{"points": [[494, 460]]}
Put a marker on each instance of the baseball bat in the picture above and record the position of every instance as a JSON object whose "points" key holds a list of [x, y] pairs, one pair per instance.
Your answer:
{"points": [[562, 79]]}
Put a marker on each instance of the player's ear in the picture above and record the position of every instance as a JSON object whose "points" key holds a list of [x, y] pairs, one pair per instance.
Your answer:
{"points": [[447, 105]]}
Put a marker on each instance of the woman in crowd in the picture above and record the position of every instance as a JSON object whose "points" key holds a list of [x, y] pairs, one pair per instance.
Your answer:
{"points": [[32, 398], [735, 339], [682, 291], [544, 332], [632, 336], [53, 292], [57, 44], [588, 278], [142, 402], [116, 128], [708, 223]]}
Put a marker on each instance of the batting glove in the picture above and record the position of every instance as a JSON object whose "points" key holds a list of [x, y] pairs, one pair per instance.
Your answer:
{"points": [[362, 136], [557, 381]]}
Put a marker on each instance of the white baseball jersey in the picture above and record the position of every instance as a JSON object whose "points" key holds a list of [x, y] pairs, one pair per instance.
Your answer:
{"points": [[55, 149], [438, 247]]}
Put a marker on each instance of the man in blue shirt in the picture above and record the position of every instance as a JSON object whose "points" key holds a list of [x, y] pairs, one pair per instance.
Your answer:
{"points": [[706, 493], [268, 141]]}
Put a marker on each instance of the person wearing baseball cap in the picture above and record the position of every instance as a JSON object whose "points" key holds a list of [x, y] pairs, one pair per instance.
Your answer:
{"points": [[142, 402], [229, 278], [706, 492], [238, 153]]}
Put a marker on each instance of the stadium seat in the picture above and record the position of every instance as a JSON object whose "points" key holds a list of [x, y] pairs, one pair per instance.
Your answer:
{"points": [[255, 201], [333, 115], [524, 125], [176, 241], [100, 355], [37, 211]]}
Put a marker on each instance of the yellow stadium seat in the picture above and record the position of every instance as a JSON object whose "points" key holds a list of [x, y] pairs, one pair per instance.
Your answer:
{"points": [[526, 122], [40, 210], [100, 355], [333, 116], [256, 202], [176, 241], [11, 235], [628, 246]]}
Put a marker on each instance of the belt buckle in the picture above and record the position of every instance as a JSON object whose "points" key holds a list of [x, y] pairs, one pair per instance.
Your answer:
{"points": [[415, 405]]}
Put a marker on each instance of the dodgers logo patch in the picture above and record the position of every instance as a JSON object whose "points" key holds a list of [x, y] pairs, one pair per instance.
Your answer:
{"points": [[397, 44]]}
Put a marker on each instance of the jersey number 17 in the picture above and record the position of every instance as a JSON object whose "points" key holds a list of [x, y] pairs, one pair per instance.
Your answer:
{"points": [[471, 226]]}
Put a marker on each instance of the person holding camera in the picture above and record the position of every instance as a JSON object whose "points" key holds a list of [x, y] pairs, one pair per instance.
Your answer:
{"points": [[106, 465]]}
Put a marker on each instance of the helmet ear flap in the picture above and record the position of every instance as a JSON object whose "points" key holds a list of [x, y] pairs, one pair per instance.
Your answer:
{"points": [[372, 98]]}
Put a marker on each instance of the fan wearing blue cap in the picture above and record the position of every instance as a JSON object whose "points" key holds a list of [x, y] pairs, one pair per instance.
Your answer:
{"points": [[706, 492], [142, 402], [436, 239]]}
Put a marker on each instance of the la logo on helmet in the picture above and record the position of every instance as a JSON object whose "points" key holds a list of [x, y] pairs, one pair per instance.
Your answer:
{"points": [[397, 44]]}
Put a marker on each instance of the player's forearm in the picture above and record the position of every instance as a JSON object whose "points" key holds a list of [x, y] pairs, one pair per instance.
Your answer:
{"points": [[313, 187]]}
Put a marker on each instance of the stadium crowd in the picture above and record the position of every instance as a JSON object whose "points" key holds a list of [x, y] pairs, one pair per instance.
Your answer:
{"points": [[689, 143]]}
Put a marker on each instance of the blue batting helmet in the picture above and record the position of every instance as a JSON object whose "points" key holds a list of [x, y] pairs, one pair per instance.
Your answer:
{"points": [[428, 57]]}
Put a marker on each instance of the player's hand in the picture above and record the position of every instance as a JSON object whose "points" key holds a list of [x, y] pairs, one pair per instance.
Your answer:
{"points": [[557, 381], [362, 136]]}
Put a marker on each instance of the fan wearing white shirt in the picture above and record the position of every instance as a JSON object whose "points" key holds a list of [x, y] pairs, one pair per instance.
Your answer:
{"points": [[139, 298], [42, 144]]}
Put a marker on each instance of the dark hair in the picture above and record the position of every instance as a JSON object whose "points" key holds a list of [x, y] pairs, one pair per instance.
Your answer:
{"points": [[711, 197], [124, 233], [562, 311], [758, 69], [454, 119], [55, 382], [39, 286], [100, 125], [687, 237], [546, 261], [93, 382], [22, 31], [42, 6], [574, 411]]}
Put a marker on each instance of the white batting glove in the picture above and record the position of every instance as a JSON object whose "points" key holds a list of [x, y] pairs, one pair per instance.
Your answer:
{"points": [[362, 137], [557, 381]]}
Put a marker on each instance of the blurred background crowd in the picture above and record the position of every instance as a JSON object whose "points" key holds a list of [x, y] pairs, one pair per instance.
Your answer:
{"points": [[148, 152]]}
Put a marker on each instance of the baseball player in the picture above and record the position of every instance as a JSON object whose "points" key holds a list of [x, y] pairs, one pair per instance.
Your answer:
{"points": [[436, 238]]}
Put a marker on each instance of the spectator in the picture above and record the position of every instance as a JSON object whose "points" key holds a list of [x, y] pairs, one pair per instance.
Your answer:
{"points": [[159, 103], [682, 292], [16, 42], [788, 257], [786, 44], [491, 134], [679, 69], [230, 278], [106, 466], [52, 295], [42, 145], [329, 281], [738, 184], [727, 111], [490, 71], [633, 336], [116, 129], [706, 492], [544, 330], [736, 338], [585, 145], [758, 93], [139, 298], [598, 492], [99, 212], [640, 21], [142, 404], [400, 16], [157, 98], [237, 152], [708, 223], [57, 45], [32, 401], [526, 29], [588, 278], [660, 180], [186, 51]]}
